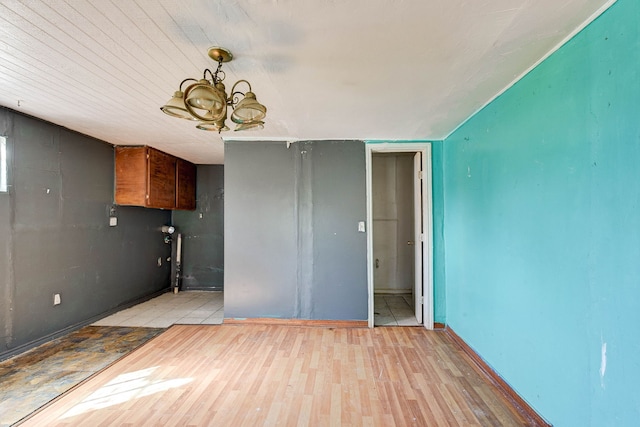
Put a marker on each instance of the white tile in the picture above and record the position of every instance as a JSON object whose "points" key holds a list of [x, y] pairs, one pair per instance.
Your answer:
{"points": [[129, 312], [189, 321], [159, 323], [127, 323], [379, 302], [178, 314], [113, 320], [142, 318], [384, 321], [203, 314], [103, 322], [191, 307], [402, 313], [398, 304], [409, 321], [212, 305]]}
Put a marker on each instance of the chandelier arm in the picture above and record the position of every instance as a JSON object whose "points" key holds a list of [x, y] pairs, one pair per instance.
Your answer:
{"points": [[184, 81], [233, 99], [213, 76], [233, 88]]}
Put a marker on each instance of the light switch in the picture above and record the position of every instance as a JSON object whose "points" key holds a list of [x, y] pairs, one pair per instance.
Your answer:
{"points": [[113, 221], [361, 227]]}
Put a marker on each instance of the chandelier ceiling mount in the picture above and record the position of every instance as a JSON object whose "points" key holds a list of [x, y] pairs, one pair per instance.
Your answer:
{"points": [[220, 54]]}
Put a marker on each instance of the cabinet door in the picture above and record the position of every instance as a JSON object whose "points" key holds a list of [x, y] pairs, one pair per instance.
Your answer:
{"points": [[186, 185], [131, 176], [161, 183]]}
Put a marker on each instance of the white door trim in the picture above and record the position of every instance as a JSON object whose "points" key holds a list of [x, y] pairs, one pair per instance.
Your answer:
{"points": [[418, 230], [427, 218]]}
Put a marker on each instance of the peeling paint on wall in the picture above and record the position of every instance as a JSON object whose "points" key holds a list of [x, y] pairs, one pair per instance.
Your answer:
{"points": [[603, 363]]}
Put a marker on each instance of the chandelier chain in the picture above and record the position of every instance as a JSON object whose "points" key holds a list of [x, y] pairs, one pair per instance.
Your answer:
{"points": [[218, 70]]}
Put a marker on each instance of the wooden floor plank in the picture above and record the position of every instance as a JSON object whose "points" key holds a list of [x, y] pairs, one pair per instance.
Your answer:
{"points": [[245, 374]]}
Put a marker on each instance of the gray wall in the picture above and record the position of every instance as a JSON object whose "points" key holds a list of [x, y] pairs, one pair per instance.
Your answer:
{"points": [[203, 232], [57, 239], [292, 246]]}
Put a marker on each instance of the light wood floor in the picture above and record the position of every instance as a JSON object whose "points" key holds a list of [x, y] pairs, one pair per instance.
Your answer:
{"points": [[254, 375]]}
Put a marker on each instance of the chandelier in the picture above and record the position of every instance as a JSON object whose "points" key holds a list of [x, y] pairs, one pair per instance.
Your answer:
{"points": [[206, 100]]}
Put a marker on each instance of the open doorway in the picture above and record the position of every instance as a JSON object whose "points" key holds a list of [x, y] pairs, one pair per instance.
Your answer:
{"points": [[394, 281], [399, 238]]}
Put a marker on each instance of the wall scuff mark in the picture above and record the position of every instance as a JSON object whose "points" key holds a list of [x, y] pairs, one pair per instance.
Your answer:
{"points": [[603, 363]]}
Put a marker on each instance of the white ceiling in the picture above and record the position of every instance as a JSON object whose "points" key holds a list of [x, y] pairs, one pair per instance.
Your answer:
{"points": [[340, 69]]}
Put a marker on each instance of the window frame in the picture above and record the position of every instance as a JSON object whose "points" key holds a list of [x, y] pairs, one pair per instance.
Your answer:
{"points": [[4, 165]]}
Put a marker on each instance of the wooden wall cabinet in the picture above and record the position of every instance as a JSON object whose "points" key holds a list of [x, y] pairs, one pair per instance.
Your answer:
{"points": [[185, 185], [153, 179]]}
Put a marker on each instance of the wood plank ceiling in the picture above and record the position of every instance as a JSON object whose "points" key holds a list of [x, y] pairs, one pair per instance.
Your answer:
{"points": [[358, 69]]}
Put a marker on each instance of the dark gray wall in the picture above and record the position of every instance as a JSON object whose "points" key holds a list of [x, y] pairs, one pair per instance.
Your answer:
{"points": [[6, 271], [203, 232], [56, 235], [292, 246], [260, 230]]}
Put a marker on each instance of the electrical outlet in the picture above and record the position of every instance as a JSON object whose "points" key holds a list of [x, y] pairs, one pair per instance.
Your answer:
{"points": [[56, 299]]}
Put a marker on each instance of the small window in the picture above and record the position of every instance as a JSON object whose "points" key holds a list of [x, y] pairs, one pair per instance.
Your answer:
{"points": [[3, 164]]}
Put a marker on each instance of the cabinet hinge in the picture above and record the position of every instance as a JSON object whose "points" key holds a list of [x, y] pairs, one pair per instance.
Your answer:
{"points": [[422, 237], [421, 175]]}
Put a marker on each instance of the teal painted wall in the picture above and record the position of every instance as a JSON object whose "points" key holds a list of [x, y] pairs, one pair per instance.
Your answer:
{"points": [[439, 283], [542, 228]]}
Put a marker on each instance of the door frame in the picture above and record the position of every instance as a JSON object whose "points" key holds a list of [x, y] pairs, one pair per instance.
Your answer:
{"points": [[427, 218]]}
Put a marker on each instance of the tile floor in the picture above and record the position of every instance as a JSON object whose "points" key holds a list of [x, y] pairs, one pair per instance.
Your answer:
{"points": [[186, 308], [393, 310], [37, 376], [207, 308]]}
